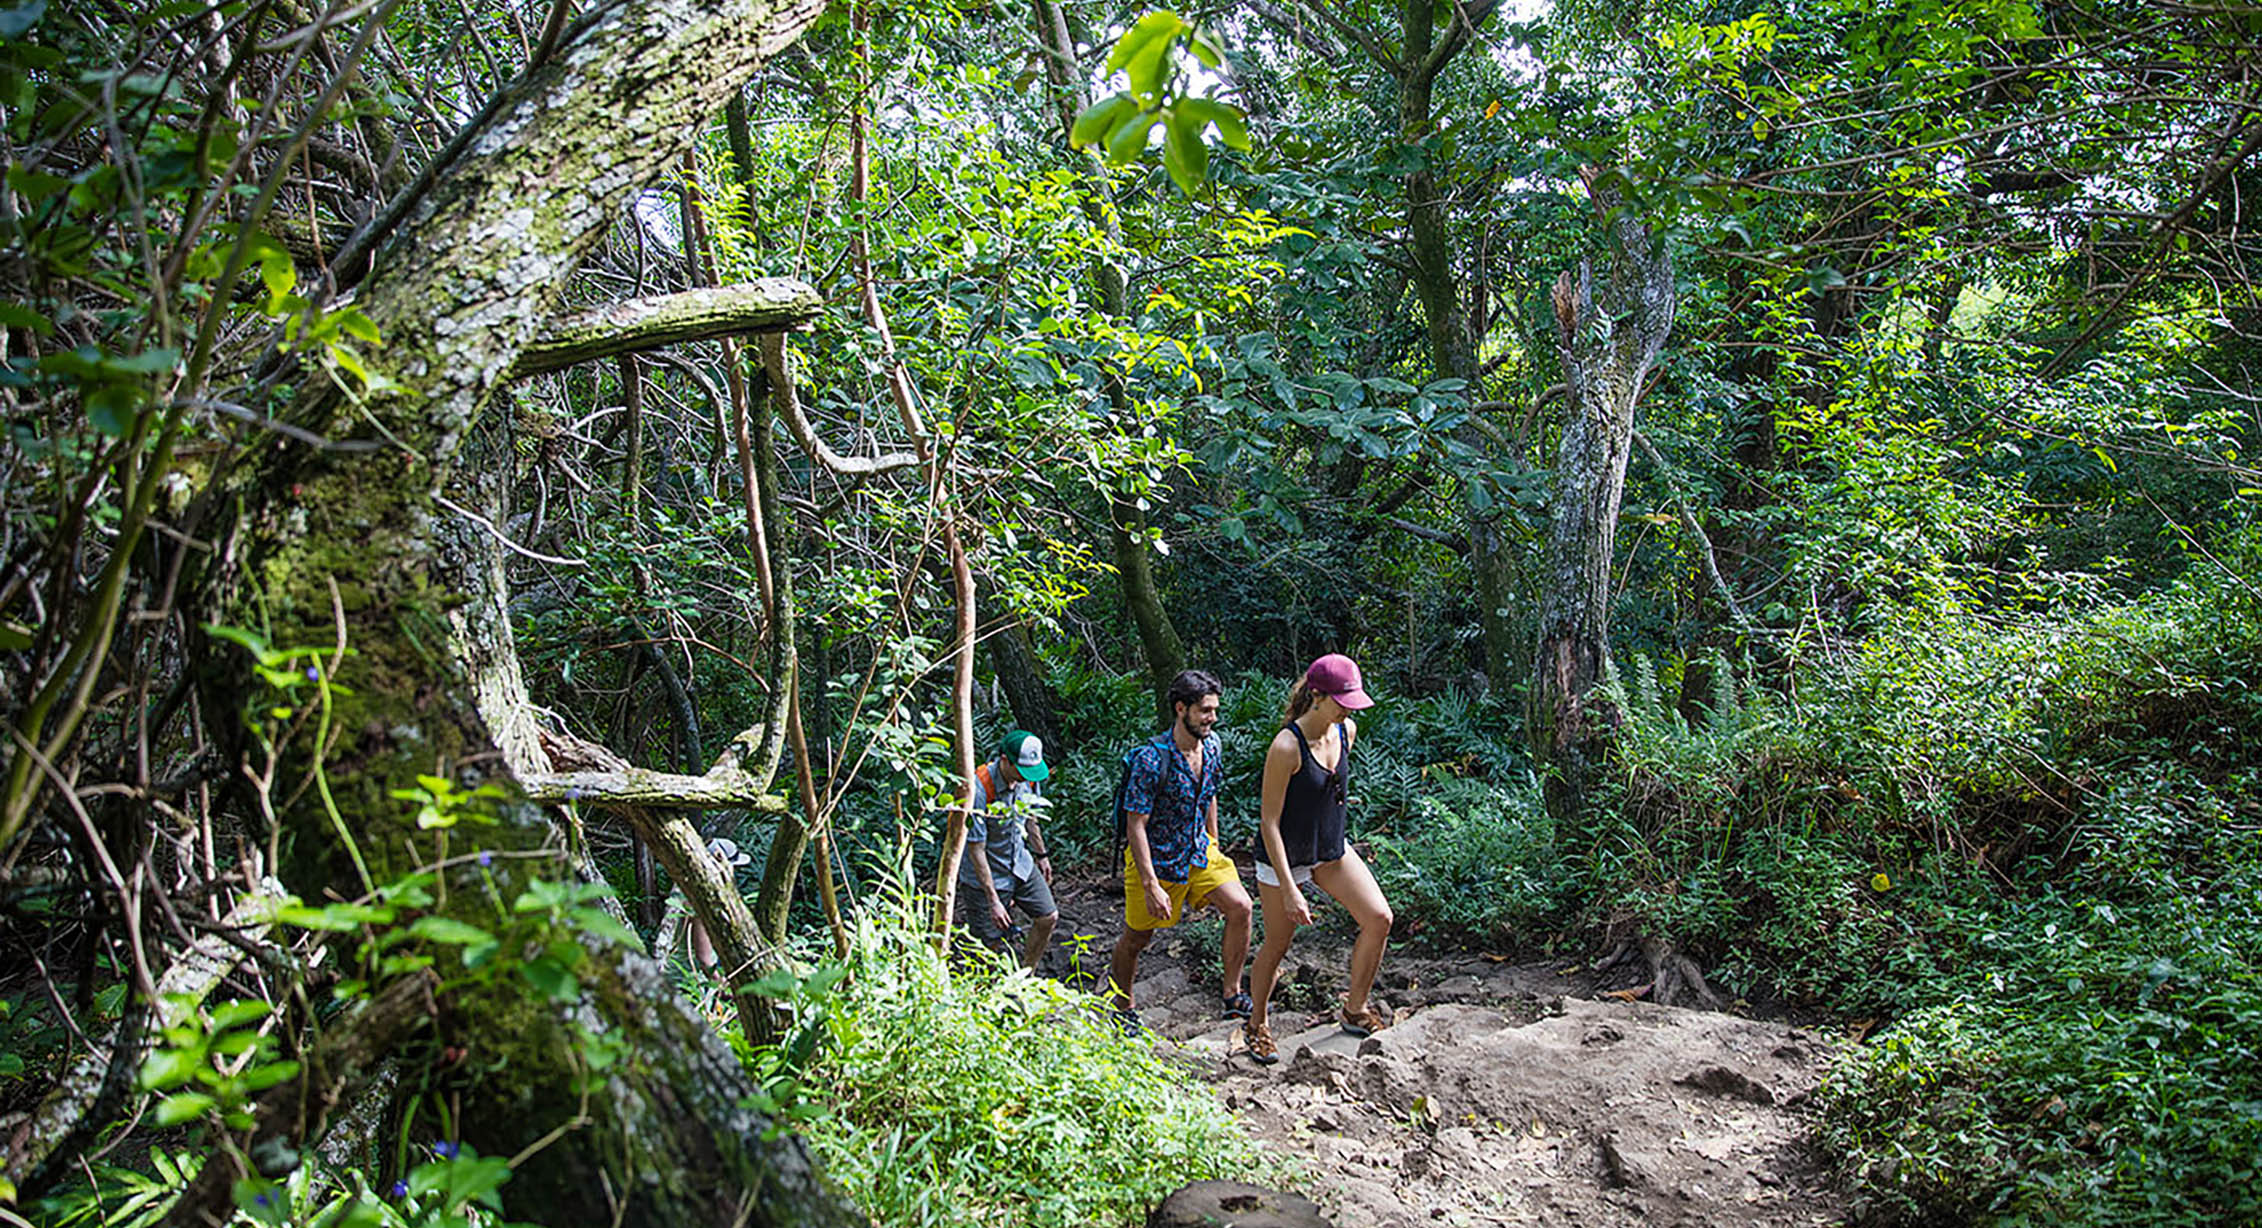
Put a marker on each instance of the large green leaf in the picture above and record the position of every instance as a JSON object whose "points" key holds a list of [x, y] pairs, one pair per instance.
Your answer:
{"points": [[1100, 119], [1232, 126], [1184, 153], [1153, 29], [1130, 140]]}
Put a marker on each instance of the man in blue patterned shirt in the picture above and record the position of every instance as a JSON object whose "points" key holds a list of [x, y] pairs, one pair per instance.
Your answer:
{"points": [[1172, 864]]}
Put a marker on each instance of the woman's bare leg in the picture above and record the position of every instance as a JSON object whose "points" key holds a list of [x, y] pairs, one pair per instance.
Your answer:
{"points": [[1353, 886], [1279, 932]]}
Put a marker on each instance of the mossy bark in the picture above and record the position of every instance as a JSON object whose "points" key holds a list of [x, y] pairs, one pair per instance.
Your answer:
{"points": [[1608, 343], [1453, 350], [632, 325], [367, 550]]}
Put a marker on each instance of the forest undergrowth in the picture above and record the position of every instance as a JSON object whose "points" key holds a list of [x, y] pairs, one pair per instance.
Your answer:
{"points": [[2017, 858], [947, 1091]]}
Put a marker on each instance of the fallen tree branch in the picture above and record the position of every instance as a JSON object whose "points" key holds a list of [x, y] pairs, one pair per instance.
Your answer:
{"points": [[708, 887], [766, 305], [602, 778]]}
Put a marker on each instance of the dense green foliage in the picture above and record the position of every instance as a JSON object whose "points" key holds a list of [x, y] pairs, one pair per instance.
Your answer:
{"points": [[1933, 607], [978, 1096]]}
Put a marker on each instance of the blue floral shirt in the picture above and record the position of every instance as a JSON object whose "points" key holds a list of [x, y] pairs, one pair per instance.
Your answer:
{"points": [[1178, 836]]}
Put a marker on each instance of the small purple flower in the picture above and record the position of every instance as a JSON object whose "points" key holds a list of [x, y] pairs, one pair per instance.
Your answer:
{"points": [[399, 1188], [574, 793], [486, 858], [444, 1150], [264, 1200], [313, 674]]}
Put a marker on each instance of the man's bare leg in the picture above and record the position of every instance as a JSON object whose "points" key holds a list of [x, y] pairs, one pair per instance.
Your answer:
{"points": [[1123, 965], [1233, 902], [1040, 937]]}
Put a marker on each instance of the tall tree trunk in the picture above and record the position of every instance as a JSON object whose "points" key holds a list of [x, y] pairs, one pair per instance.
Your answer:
{"points": [[1452, 346], [1018, 670], [962, 727], [1608, 344], [1134, 570], [1134, 558], [791, 841], [365, 548]]}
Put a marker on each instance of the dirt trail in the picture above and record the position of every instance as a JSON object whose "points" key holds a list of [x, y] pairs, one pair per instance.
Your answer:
{"points": [[1502, 1094]]}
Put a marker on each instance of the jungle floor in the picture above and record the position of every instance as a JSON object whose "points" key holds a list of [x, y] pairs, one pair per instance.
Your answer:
{"points": [[1503, 1093]]}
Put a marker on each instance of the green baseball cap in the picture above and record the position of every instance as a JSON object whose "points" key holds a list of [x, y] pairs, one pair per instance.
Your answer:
{"points": [[1027, 752]]}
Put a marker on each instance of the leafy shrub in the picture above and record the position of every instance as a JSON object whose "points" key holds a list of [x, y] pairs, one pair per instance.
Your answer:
{"points": [[1472, 861], [2031, 844], [2047, 1113], [983, 1096]]}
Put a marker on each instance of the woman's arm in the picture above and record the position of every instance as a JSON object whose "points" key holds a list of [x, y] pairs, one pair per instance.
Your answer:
{"points": [[1282, 759]]}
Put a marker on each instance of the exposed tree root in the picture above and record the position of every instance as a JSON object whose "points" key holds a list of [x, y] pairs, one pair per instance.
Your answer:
{"points": [[1674, 978]]}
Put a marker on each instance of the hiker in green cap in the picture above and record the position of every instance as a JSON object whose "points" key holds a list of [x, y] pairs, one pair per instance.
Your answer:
{"points": [[1005, 863]]}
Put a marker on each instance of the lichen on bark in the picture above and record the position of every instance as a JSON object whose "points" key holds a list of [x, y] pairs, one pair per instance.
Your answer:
{"points": [[360, 545], [1608, 342]]}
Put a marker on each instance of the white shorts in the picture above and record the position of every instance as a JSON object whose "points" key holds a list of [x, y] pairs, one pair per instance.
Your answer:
{"points": [[1265, 876]]}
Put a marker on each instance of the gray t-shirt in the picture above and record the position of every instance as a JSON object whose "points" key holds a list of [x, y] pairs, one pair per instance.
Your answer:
{"points": [[999, 826]]}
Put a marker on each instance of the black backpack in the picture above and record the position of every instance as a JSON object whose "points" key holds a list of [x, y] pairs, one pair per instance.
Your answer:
{"points": [[1123, 786]]}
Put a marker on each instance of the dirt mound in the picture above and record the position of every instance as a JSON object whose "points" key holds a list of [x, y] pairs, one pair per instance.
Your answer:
{"points": [[1501, 1097], [1597, 1113]]}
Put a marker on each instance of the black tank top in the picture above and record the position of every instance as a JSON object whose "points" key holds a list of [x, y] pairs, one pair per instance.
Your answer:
{"points": [[1311, 816]]}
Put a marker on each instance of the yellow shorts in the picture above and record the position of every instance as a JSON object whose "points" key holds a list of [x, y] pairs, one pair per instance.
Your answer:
{"points": [[1185, 897]]}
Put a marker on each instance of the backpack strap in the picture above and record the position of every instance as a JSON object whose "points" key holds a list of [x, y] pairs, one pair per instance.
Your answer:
{"points": [[1164, 749]]}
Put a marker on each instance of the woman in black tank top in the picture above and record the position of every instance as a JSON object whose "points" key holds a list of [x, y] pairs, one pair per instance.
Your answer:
{"points": [[1307, 782]]}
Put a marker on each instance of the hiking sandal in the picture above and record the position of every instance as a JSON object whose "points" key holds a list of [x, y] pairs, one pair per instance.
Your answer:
{"points": [[1261, 1045], [1366, 1023], [1238, 1007]]}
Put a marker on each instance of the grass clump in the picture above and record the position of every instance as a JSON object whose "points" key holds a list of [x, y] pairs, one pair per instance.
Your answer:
{"points": [[941, 1096]]}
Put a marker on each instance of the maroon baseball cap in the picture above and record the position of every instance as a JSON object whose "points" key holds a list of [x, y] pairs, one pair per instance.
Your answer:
{"points": [[1337, 675]]}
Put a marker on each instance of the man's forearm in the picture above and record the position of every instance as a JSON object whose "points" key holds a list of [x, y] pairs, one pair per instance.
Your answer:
{"points": [[979, 854], [1142, 857]]}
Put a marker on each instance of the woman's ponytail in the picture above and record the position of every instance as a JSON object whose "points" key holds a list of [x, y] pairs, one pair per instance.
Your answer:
{"points": [[1299, 701]]}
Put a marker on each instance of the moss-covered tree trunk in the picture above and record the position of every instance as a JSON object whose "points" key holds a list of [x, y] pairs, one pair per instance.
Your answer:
{"points": [[1608, 342], [1426, 51], [364, 547]]}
